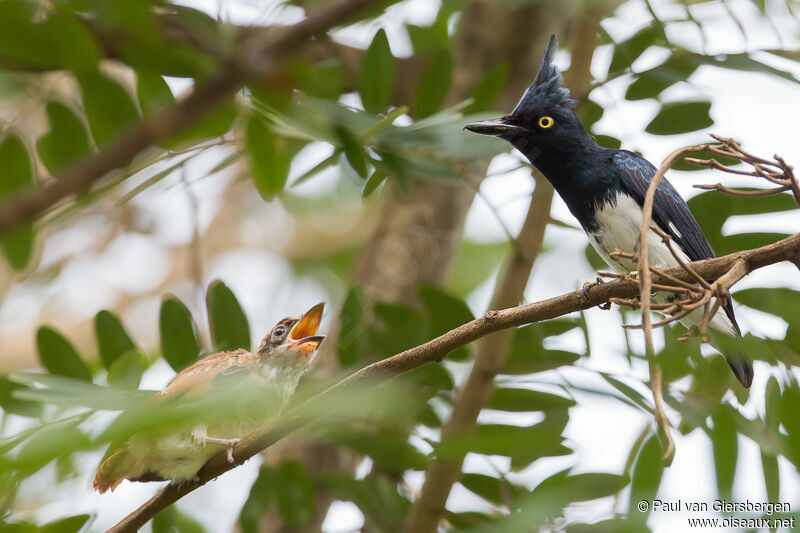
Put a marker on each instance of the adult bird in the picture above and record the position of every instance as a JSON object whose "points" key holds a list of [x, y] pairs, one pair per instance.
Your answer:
{"points": [[233, 394], [605, 188]]}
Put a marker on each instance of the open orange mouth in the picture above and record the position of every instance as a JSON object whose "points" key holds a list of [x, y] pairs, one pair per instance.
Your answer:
{"points": [[303, 335]]}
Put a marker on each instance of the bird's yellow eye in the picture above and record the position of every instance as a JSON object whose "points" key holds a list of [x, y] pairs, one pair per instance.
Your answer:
{"points": [[546, 122]]}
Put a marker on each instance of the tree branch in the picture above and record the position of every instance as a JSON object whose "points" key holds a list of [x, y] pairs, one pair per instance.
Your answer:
{"points": [[435, 350], [492, 351], [260, 57]]}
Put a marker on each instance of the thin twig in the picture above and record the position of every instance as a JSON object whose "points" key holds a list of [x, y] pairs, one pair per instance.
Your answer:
{"points": [[776, 172]]}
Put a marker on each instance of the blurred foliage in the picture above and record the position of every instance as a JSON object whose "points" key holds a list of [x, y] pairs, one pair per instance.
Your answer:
{"points": [[119, 58]]}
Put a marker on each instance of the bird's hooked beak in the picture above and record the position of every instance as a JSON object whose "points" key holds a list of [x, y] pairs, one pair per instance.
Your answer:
{"points": [[499, 127], [303, 336]]}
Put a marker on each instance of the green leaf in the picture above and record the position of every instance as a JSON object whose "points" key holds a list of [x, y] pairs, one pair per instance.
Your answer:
{"points": [[378, 176], [353, 151], [229, 326], [680, 117], [646, 478], [397, 328], [109, 107], [471, 521], [607, 141], [126, 371], [729, 244], [612, 525], [17, 244], [742, 62], [376, 496], [377, 75], [527, 355], [524, 400], [429, 38], [474, 263], [523, 444], [111, 337], [295, 493], [445, 312], [171, 520], [772, 476], [433, 84], [632, 394], [82, 53], [594, 259], [488, 89], [261, 494], [591, 112], [18, 37], [268, 162], [725, 443], [152, 92], [11, 404], [352, 346], [626, 52], [651, 83], [73, 524], [430, 379], [66, 142], [179, 345], [41, 44], [778, 301], [492, 489], [772, 405], [215, 124], [58, 356], [388, 447], [790, 406], [320, 80], [681, 164], [712, 209], [65, 391], [39, 449], [580, 487]]}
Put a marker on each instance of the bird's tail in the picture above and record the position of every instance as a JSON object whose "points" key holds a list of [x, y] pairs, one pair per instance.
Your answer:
{"points": [[742, 367], [111, 472], [732, 348]]}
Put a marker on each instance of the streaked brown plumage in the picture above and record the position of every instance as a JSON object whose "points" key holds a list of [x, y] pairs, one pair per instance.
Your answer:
{"points": [[271, 373]]}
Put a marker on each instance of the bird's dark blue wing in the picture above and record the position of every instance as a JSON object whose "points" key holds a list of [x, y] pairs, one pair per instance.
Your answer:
{"points": [[670, 212]]}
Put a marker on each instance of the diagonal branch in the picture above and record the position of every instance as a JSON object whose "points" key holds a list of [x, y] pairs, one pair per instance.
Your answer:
{"points": [[490, 355], [259, 59], [492, 351], [437, 349]]}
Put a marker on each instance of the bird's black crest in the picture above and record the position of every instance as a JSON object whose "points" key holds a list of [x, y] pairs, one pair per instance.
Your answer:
{"points": [[546, 87]]}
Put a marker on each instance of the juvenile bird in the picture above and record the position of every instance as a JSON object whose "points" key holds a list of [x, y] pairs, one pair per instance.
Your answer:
{"points": [[605, 189], [244, 391]]}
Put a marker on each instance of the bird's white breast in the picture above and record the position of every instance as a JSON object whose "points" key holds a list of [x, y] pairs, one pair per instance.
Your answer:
{"points": [[619, 224]]}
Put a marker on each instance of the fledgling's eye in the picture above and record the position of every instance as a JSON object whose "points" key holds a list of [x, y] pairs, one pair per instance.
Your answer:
{"points": [[279, 331], [546, 122]]}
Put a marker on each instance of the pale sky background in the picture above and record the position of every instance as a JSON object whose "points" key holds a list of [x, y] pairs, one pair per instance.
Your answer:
{"points": [[759, 110]]}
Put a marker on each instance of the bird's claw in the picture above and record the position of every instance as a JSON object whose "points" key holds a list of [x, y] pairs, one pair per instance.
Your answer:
{"points": [[588, 285], [228, 443]]}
